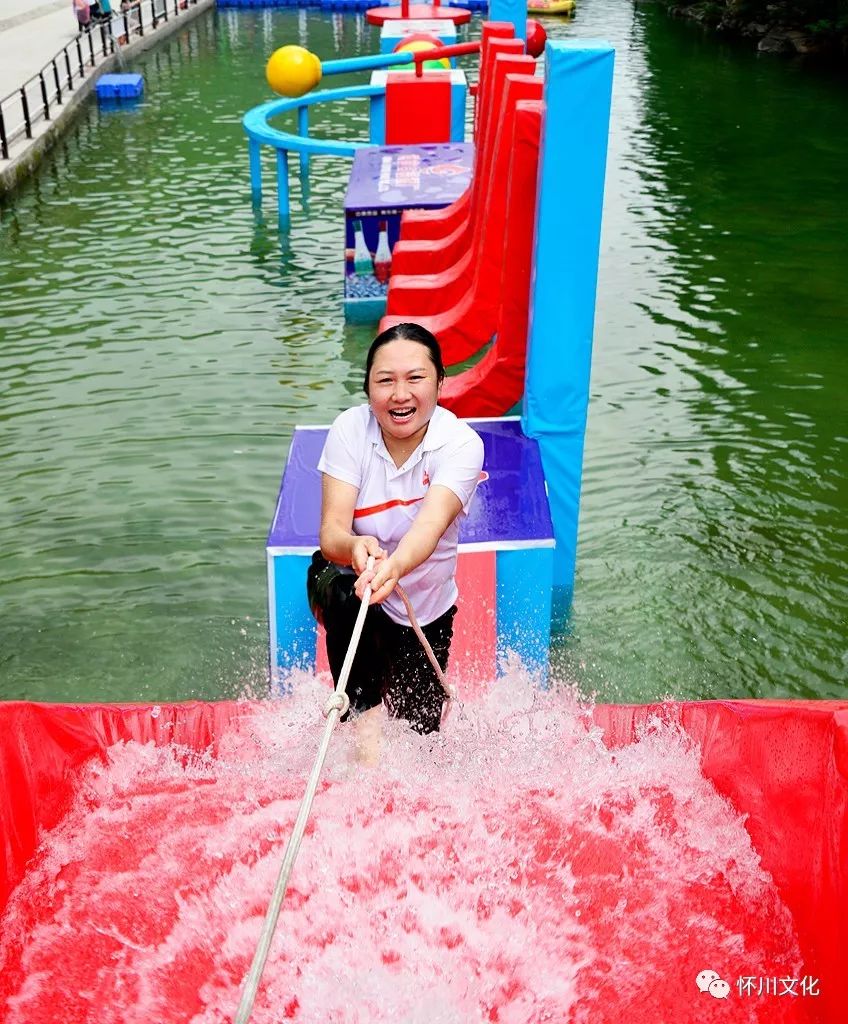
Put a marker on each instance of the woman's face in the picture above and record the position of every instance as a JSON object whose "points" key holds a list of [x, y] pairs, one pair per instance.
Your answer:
{"points": [[402, 388]]}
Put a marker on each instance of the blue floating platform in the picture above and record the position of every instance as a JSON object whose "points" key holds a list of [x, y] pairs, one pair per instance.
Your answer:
{"points": [[120, 87], [349, 5], [505, 566]]}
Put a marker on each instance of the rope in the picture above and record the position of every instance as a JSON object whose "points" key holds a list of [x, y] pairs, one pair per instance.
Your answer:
{"points": [[428, 650], [334, 709], [336, 706]]}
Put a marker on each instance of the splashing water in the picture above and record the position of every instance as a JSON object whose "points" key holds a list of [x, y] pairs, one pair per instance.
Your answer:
{"points": [[509, 869]]}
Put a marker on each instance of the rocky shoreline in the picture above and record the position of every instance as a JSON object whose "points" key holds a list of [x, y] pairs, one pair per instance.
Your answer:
{"points": [[769, 29]]}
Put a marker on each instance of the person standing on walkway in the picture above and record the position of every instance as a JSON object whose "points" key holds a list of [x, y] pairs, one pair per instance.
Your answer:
{"points": [[83, 13]]}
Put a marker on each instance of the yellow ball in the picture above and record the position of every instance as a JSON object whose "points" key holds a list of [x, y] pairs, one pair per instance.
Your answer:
{"points": [[293, 71]]}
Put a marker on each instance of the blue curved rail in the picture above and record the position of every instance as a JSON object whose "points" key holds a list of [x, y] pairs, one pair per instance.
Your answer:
{"points": [[260, 132], [256, 125]]}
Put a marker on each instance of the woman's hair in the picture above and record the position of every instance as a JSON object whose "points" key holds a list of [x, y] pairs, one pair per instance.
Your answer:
{"points": [[407, 332]]}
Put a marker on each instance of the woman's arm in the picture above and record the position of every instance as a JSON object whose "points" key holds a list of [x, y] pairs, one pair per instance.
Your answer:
{"points": [[338, 544], [438, 510]]}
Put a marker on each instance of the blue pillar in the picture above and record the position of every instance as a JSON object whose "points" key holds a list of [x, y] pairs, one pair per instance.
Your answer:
{"points": [[253, 151], [524, 606], [510, 10], [578, 90], [377, 121], [283, 187], [303, 130], [459, 91], [293, 630]]}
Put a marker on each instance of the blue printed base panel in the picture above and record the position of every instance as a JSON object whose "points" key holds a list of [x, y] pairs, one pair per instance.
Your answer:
{"points": [[119, 87], [505, 568], [364, 311], [385, 181]]}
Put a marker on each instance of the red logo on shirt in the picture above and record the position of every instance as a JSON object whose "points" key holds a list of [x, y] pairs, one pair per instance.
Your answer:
{"points": [[426, 480]]}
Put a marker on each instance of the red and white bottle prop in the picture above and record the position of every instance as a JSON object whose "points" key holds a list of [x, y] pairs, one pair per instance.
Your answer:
{"points": [[383, 255]]}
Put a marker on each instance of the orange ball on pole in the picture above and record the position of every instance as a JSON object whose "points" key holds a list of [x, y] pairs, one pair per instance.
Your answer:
{"points": [[416, 42]]}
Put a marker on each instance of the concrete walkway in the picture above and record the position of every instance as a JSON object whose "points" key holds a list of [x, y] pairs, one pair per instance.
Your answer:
{"points": [[31, 34]]}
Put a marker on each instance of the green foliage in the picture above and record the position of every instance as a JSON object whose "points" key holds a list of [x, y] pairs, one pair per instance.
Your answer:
{"points": [[821, 18], [714, 11]]}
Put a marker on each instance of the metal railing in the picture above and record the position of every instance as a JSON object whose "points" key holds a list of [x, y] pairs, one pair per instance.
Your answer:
{"points": [[38, 98]]}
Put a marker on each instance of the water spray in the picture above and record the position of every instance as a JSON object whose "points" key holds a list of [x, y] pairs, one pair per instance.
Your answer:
{"points": [[334, 709]]}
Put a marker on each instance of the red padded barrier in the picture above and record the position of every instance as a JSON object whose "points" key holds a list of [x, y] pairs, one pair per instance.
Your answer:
{"points": [[782, 763], [475, 636], [430, 256], [461, 306], [433, 224], [496, 383], [418, 109]]}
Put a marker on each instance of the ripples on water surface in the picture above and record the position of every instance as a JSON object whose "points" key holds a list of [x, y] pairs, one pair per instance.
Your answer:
{"points": [[158, 347]]}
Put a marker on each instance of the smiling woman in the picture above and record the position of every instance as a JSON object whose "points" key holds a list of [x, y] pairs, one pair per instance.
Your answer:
{"points": [[398, 477]]}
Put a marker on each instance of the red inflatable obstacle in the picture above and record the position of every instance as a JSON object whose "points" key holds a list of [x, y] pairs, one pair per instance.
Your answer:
{"points": [[454, 223], [461, 305], [782, 764], [430, 225], [452, 263], [429, 12], [496, 382], [431, 95], [464, 271]]}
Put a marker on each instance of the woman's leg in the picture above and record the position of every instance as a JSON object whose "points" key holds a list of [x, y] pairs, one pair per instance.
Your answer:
{"points": [[412, 689], [335, 605]]}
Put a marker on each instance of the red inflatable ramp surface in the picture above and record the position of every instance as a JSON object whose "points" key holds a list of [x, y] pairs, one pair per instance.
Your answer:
{"points": [[784, 764], [43, 745]]}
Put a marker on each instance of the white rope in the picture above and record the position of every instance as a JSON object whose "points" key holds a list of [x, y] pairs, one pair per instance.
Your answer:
{"points": [[335, 708], [428, 650]]}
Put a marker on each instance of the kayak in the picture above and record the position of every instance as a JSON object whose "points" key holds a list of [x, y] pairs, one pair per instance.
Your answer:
{"points": [[550, 6]]}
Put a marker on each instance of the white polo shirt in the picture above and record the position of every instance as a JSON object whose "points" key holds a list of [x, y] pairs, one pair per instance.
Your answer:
{"points": [[451, 454]]}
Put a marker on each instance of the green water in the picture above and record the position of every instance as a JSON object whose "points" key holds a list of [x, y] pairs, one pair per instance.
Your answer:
{"points": [[158, 344]]}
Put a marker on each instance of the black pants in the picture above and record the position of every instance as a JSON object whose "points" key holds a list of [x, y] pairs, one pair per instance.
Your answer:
{"points": [[390, 663]]}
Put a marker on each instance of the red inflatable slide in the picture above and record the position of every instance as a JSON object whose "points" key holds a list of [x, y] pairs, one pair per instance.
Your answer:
{"points": [[782, 764]]}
